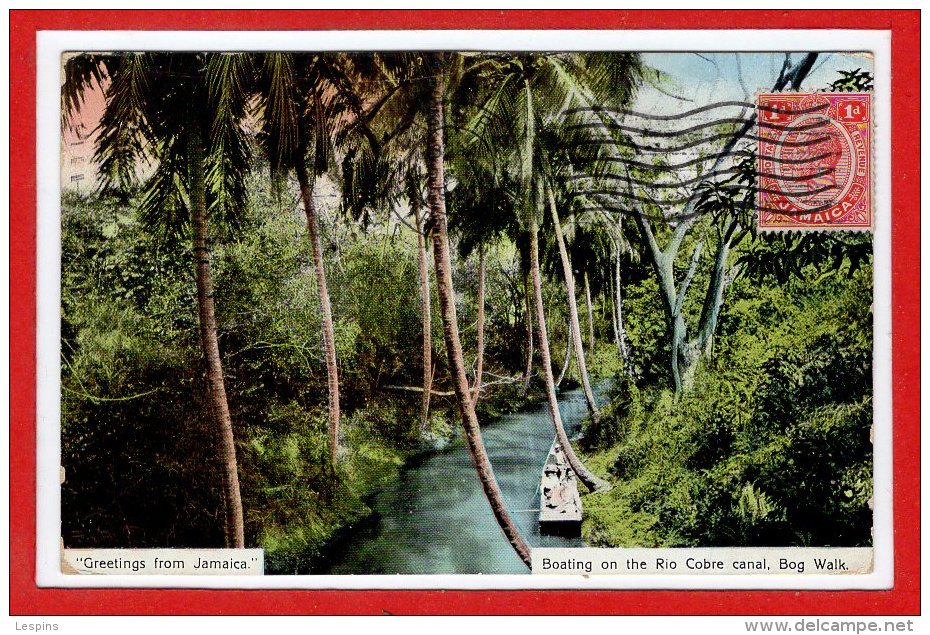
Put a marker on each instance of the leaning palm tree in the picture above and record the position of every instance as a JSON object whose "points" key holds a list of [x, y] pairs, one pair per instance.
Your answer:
{"points": [[384, 165], [482, 214], [529, 99], [196, 159], [436, 187], [569, 277], [298, 103], [414, 195], [407, 116]]}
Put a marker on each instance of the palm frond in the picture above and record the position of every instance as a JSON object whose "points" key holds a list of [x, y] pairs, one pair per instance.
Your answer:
{"points": [[226, 170], [612, 78], [368, 182], [279, 109], [526, 155], [126, 137], [229, 80], [81, 73], [491, 120], [165, 202]]}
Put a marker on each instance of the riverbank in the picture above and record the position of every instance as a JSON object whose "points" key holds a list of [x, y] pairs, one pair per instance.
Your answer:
{"points": [[769, 446], [307, 545], [434, 518]]}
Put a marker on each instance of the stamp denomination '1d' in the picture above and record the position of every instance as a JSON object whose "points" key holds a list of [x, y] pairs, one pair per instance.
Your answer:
{"points": [[814, 161]]}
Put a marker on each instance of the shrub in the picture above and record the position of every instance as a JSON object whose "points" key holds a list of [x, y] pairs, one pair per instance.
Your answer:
{"points": [[771, 444]]}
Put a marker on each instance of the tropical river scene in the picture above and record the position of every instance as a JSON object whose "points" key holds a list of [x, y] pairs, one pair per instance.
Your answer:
{"points": [[420, 312]]}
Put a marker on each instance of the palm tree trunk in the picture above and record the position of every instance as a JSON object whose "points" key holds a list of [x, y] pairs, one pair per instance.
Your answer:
{"points": [[234, 529], [425, 312], [435, 155], [329, 340], [479, 365], [619, 329], [613, 319], [587, 297], [591, 481], [568, 355], [528, 321], [573, 306]]}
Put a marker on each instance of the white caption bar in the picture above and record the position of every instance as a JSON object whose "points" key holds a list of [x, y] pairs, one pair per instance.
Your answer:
{"points": [[705, 561], [163, 561]]}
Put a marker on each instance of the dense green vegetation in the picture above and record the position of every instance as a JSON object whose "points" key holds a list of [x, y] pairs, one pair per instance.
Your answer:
{"points": [[772, 445], [137, 441], [341, 261]]}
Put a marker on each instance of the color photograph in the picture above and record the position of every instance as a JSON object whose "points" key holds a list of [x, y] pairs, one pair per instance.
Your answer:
{"points": [[424, 312]]}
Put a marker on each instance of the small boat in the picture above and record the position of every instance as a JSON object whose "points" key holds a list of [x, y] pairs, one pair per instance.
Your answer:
{"points": [[559, 500]]}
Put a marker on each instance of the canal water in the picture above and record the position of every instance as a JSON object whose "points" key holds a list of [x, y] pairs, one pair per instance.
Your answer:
{"points": [[435, 518]]}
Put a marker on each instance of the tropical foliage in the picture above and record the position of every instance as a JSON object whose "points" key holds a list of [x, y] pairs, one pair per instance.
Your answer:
{"points": [[333, 262]]}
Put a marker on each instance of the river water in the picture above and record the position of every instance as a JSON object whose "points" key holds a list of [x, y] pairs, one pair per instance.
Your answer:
{"points": [[435, 518]]}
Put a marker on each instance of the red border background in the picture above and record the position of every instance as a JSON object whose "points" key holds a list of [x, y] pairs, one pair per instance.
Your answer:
{"points": [[904, 598]]}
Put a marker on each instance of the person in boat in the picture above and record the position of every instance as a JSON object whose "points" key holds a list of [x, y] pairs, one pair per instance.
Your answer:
{"points": [[555, 493]]}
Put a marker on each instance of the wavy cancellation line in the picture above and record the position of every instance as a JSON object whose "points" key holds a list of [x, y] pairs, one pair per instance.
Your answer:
{"points": [[711, 157], [701, 178], [615, 208], [689, 113], [668, 134], [682, 201], [629, 143]]}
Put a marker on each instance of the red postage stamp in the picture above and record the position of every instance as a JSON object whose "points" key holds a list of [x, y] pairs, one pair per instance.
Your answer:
{"points": [[814, 161]]}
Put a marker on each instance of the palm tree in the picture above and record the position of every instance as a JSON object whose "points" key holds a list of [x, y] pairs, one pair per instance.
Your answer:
{"points": [[385, 167], [426, 318], [407, 116], [530, 348], [575, 326], [529, 99], [298, 103], [199, 158], [598, 241], [602, 247], [587, 477], [616, 296], [479, 359], [569, 344], [595, 246], [590, 308], [483, 214], [435, 154]]}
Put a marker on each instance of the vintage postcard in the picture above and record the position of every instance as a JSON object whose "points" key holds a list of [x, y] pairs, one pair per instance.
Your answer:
{"points": [[465, 310]]}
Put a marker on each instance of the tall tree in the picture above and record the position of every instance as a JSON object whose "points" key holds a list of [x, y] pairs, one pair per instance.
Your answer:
{"points": [[530, 98], [479, 356], [425, 303], [595, 245], [299, 100], [199, 158], [590, 308], [435, 151], [568, 355], [714, 213], [409, 100], [529, 348], [384, 167], [574, 323], [482, 214], [616, 296]]}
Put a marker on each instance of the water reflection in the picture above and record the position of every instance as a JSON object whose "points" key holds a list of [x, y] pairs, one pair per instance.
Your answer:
{"points": [[435, 519]]}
